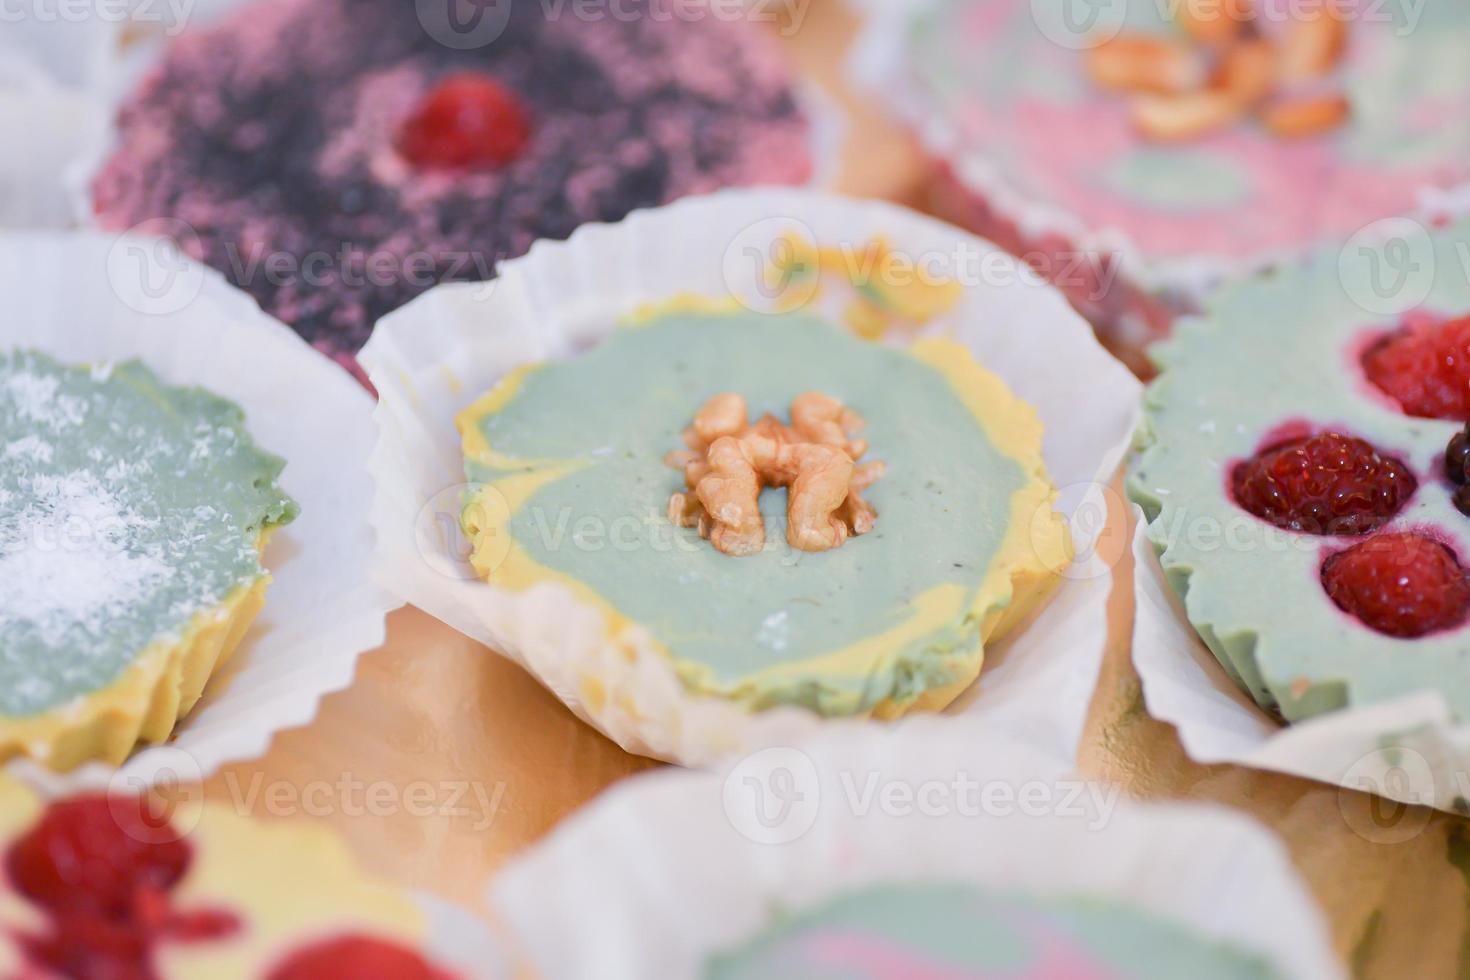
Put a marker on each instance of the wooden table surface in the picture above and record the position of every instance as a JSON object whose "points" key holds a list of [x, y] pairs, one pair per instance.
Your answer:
{"points": [[470, 760]]}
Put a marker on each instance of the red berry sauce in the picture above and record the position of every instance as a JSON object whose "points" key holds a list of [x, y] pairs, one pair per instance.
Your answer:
{"points": [[102, 869]]}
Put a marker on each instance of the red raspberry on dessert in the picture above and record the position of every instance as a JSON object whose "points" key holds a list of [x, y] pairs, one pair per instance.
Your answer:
{"points": [[1401, 584], [1425, 367], [1329, 484]]}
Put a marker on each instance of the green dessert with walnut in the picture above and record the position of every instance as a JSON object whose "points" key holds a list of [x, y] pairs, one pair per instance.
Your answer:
{"points": [[845, 528]]}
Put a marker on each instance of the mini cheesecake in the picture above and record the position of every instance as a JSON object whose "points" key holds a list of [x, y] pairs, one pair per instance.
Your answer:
{"points": [[336, 158], [111, 886], [1302, 471], [1141, 153], [132, 519], [951, 930], [788, 514]]}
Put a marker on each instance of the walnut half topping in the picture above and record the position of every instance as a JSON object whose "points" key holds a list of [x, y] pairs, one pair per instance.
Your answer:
{"points": [[731, 460]]}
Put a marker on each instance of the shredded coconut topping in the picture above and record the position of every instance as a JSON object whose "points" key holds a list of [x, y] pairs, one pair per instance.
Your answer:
{"points": [[126, 509], [64, 564]]}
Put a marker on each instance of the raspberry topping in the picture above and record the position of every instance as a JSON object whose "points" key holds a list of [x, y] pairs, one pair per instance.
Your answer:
{"points": [[468, 122], [351, 957], [1425, 367], [1404, 584], [103, 868], [1328, 483]]}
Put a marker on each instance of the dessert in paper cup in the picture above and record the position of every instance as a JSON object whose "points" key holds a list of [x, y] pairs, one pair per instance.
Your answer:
{"points": [[1143, 153], [711, 492], [1302, 481], [936, 850], [118, 885], [425, 142], [183, 534]]}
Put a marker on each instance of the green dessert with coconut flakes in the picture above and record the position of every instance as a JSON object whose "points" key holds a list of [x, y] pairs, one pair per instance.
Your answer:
{"points": [[132, 516], [943, 931], [1302, 470], [795, 515]]}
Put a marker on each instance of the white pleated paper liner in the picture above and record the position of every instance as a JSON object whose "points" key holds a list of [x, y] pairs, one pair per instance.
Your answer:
{"points": [[89, 298], [435, 356], [671, 867], [55, 63], [1409, 749]]}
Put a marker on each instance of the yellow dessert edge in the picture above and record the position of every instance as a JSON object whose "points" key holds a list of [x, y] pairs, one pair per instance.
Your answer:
{"points": [[250, 867], [148, 699], [1027, 567]]}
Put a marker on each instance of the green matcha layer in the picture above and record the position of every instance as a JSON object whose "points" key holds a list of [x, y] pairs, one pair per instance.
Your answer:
{"points": [[1269, 352], [943, 931], [575, 453], [127, 508]]}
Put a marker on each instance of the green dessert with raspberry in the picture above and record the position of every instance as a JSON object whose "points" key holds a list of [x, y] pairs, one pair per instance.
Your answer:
{"points": [[1302, 470], [132, 518]]}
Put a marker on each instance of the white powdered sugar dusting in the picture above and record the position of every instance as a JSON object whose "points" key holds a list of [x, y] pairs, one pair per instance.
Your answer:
{"points": [[63, 563], [32, 448], [37, 398]]}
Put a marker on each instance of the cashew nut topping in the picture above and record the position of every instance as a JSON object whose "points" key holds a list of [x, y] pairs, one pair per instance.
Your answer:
{"points": [[730, 460], [1227, 66]]}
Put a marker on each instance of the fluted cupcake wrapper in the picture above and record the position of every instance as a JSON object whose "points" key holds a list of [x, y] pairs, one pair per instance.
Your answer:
{"points": [[54, 73], [1410, 749], [440, 353], [671, 868]]}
